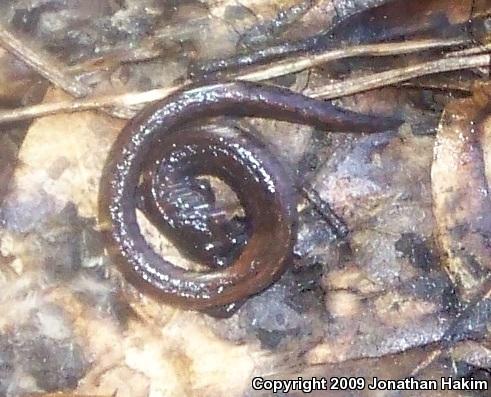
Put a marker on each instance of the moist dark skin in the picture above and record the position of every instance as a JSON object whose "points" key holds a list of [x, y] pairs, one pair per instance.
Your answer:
{"points": [[265, 189], [184, 208]]}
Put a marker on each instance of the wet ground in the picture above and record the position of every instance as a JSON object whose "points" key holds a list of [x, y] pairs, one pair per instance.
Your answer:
{"points": [[410, 280]]}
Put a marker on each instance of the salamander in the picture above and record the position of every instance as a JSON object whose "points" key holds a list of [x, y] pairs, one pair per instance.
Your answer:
{"points": [[267, 192]]}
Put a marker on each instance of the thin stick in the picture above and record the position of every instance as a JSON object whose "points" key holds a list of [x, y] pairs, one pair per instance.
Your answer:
{"points": [[448, 339], [390, 77], [96, 103], [471, 51], [429, 359], [331, 91], [288, 66], [55, 72], [48, 68], [338, 225]]}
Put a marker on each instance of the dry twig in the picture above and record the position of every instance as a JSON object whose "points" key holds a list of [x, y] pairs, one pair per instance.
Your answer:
{"points": [[448, 339], [390, 77], [346, 87], [50, 69], [331, 91], [299, 63]]}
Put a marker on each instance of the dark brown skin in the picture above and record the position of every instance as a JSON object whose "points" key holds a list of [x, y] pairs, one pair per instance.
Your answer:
{"points": [[266, 191], [184, 208]]}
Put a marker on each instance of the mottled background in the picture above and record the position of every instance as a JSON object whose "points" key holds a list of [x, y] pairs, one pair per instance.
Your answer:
{"points": [[376, 303]]}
